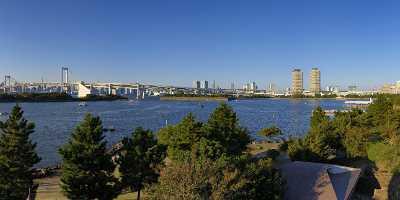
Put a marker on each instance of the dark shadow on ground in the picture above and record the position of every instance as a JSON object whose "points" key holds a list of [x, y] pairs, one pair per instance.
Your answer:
{"points": [[367, 183], [394, 187]]}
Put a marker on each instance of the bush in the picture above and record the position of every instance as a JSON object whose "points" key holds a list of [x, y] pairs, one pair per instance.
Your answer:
{"points": [[355, 142], [387, 154], [220, 180]]}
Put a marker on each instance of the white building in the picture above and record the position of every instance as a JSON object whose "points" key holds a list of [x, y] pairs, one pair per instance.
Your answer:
{"points": [[84, 90]]}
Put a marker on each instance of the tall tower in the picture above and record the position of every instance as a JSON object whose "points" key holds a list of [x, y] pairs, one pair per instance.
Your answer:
{"points": [[64, 75], [315, 81], [297, 82]]}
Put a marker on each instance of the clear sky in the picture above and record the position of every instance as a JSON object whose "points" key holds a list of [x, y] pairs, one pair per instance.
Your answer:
{"points": [[176, 42]]}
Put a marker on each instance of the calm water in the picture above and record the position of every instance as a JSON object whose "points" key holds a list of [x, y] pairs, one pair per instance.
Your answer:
{"points": [[55, 121]]}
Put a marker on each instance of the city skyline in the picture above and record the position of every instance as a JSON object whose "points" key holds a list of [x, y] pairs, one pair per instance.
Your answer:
{"points": [[174, 43]]}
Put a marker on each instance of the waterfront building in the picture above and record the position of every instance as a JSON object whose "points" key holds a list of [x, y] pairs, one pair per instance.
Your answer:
{"points": [[297, 82], [390, 88], [84, 90], [250, 87], [315, 81]]}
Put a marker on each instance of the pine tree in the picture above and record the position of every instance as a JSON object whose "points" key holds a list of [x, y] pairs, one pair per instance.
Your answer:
{"points": [[139, 160], [87, 168], [223, 127], [17, 156]]}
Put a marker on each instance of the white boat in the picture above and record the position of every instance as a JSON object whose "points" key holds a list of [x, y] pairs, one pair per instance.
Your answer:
{"points": [[359, 102], [82, 104]]}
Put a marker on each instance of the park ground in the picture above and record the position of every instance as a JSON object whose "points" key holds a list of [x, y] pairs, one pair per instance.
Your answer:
{"points": [[49, 187]]}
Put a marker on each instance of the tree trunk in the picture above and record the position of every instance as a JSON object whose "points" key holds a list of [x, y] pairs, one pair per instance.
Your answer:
{"points": [[138, 194]]}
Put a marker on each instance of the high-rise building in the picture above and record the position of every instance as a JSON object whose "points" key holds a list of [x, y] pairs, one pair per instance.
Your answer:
{"points": [[196, 84], [204, 85], [64, 75], [315, 81], [271, 88], [297, 82], [253, 86]]}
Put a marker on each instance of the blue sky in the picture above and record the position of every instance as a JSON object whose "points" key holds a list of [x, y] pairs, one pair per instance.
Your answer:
{"points": [[176, 42]]}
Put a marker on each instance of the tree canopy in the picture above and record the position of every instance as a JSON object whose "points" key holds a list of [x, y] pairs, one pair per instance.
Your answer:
{"points": [[221, 134], [140, 160], [17, 156], [87, 170]]}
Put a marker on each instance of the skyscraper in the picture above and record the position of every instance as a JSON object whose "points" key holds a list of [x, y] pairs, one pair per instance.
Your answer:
{"points": [[297, 82], [315, 81], [196, 84], [204, 85]]}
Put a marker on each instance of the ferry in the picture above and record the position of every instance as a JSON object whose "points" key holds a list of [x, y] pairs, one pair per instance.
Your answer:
{"points": [[359, 102]]}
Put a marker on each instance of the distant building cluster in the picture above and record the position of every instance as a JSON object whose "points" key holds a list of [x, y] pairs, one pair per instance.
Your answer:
{"points": [[199, 87], [298, 83], [391, 88]]}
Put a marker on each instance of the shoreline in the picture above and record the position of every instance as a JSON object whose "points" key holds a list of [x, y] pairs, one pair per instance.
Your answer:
{"points": [[199, 98]]}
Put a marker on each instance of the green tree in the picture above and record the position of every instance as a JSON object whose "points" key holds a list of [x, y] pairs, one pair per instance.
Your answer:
{"points": [[223, 126], [181, 138], [139, 160], [87, 171], [355, 142], [17, 156], [380, 110], [321, 143]]}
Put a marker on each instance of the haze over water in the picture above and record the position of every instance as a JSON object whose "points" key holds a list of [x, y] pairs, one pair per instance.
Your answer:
{"points": [[56, 121]]}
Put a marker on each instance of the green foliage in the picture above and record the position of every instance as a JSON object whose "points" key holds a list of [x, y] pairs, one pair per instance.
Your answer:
{"points": [[321, 143], [140, 159], [220, 180], [17, 156], [379, 111], [181, 137], [221, 135], [355, 142], [385, 153], [299, 151], [87, 171], [223, 126], [270, 131], [211, 163]]}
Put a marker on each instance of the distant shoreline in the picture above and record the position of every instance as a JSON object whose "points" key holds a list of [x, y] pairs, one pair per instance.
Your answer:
{"points": [[194, 98], [53, 97]]}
